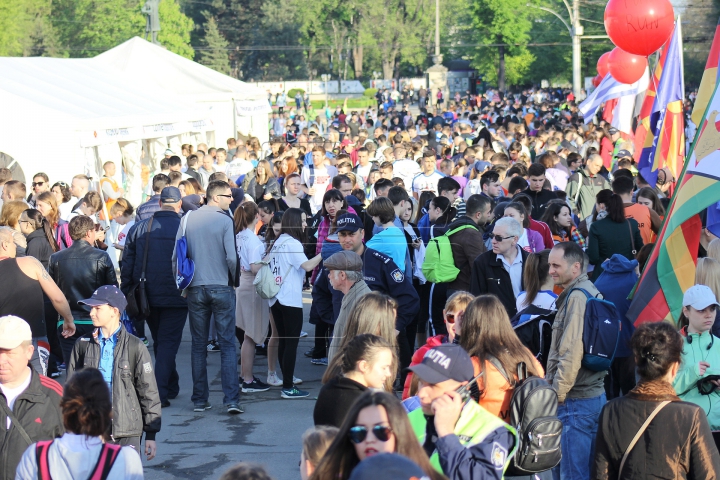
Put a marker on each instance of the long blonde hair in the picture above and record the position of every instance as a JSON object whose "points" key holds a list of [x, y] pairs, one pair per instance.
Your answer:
{"points": [[713, 249], [708, 273], [373, 313]]}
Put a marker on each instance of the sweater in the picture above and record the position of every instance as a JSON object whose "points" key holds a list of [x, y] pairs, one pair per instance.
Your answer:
{"points": [[615, 283], [335, 399], [606, 238]]}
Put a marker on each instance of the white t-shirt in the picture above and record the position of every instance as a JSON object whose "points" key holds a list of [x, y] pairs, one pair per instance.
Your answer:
{"points": [[238, 168], [323, 178], [544, 299], [472, 188], [426, 183], [406, 169], [122, 236], [287, 256], [11, 394], [250, 248], [364, 171], [66, 209]]}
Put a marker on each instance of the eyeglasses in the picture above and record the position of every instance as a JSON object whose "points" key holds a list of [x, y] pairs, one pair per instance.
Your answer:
{"points": [[499, 238], [227, 196], [38, 184], [358, 433], [450, 317]]}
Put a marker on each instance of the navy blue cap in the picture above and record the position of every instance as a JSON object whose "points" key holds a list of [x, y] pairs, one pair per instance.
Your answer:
{"points": [[388, 466], [444, 362], [170, 195], [107, 295], [348, 222]]}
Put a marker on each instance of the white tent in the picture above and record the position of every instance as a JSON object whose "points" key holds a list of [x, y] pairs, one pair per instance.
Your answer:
{"points": [[234, 106], [67, 116]]}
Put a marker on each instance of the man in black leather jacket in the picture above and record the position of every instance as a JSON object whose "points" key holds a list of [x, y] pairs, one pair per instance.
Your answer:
{"points": [[78, 271]]}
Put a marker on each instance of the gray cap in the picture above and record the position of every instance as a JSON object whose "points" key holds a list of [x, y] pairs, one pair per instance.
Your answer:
{"points": [[170, 195], [345, 260]]}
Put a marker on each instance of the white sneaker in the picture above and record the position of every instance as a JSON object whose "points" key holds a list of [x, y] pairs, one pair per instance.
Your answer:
{"points": [[272, 379], [296, 380], [303, 334]]}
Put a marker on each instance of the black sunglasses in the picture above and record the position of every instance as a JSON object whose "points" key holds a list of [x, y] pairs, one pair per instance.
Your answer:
{"points": [[499, 238], [358, 433], [228, 196], [38, 184]]}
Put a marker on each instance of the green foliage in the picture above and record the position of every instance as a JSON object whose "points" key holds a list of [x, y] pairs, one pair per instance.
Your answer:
{"points": [[293, 91], [362, 102], [175, 29], [214, 53], [25, 28], [370, 92]]}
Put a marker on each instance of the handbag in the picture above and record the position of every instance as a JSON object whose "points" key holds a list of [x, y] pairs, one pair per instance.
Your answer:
{"points": [[632, 238], [138, 307], [266, 284], [639, 433]]}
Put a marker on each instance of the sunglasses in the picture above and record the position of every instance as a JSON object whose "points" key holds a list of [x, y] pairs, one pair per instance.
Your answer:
{"points": [[227, 196], [38, 184], [357, 434], [499, 238], [450, 317]]}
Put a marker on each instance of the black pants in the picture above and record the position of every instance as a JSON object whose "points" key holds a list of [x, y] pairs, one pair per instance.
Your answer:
{"points": [[166, 327], [323, 335], [404, 354], [621, 377], [438, 298], [67, 344], [288, 321], [56, 354], [133, 442]]}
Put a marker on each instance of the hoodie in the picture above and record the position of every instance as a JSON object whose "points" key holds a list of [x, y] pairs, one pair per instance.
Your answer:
{"points": [[539, 201], [615, 283]]}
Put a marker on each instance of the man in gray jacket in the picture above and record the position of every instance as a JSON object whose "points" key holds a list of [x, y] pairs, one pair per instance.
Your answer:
{"points": [[581, 392], [211, 246]]}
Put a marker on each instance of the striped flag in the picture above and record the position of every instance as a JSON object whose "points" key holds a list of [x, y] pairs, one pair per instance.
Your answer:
{"points": [[642, 139], [671, 267], [709, 79], [608, 89], [667, 124]]}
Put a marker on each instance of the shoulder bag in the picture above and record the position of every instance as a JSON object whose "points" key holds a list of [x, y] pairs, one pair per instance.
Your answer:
{"points": [[639, 434], [138, 306], [632, 238]]}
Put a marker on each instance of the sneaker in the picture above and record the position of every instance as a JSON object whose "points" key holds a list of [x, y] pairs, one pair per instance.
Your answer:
{"points": [[201, 407], [293, 393], [62, 366], [213, 346], [255, 386], [296, 380], [319, 361], [310, 353], [303, 334], [272, 379], [234, 408], [55, 374], [165, 404]]}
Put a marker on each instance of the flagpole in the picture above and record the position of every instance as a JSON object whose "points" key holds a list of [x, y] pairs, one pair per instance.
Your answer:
{"points": [[682, 60]]}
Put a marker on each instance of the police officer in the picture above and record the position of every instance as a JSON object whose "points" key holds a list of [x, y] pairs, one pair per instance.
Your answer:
{"points": [[382, 275]]}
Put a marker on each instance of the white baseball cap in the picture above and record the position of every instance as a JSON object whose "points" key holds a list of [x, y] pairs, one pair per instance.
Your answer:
{"points": [[13, 332], [699, 297]]}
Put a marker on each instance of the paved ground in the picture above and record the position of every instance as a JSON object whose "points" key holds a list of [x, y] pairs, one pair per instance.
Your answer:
{"points": [[203, 445]]}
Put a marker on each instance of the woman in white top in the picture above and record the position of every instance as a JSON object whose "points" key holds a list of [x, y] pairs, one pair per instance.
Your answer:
{"points": [[538, 283], [289, 265], [251, 311], [86, 410], [61, 190]]}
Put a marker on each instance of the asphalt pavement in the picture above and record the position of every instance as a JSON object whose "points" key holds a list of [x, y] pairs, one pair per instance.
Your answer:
{"points": [[204, 445]]}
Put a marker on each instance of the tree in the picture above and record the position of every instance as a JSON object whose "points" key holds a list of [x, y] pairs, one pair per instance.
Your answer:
{"points": [[25, 28], [175, 29], [503, 23], [215, 49]]}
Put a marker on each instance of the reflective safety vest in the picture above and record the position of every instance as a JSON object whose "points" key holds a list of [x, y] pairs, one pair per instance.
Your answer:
{"points": [[473, 426]]}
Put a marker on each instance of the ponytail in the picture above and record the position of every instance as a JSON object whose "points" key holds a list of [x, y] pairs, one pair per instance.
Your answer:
{"points": [[535, 274], [38, 222], [49, 235], [244, 216]]}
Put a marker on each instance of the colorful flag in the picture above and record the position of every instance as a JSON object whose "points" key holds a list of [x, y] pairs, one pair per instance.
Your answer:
{"points": [[608, 89], [667, 124], [709, 79], [642, 139], [670, 270]]}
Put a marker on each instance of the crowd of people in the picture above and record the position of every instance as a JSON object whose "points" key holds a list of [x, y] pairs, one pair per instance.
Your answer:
{"points": [[430, 242]]}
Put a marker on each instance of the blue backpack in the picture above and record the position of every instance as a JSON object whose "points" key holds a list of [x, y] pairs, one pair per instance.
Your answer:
{"points": [[185, 268], [601, 333]]}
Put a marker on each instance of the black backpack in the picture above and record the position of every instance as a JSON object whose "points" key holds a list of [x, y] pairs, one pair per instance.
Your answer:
{"points": [[533, 326], [533, 413]]}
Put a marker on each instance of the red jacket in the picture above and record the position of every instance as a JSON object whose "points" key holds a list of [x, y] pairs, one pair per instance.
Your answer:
{"points": [[544, 231], [432, 342]]}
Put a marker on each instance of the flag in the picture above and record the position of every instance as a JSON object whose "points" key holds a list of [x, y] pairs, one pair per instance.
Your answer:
{"points": [[642, 140], [670, 270], [608, 89], [623, 114], [667, 124], [709, 79]]}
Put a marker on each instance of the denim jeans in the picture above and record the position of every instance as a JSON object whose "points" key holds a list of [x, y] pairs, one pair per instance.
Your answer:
{"points": [[166, 327], [579, 417], [204, 302]]}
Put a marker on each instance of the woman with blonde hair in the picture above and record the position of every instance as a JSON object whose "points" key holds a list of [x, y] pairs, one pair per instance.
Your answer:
{"points": [[713, 249], [489, 339], [10, 217], [263, 186], [374, 313], [708, 274], [315, 442], [47, 204], [186, 188], [252, 314]]}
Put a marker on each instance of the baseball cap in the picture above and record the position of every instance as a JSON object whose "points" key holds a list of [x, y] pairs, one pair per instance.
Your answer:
{"points": [[13, 332], [344, 260], [444, 362], [169, 152], [699, 297], [348, 222], [170, 195], [481, 165], [388, 466], [623, 154], [107, 295], [613, 131], [568, 146]]}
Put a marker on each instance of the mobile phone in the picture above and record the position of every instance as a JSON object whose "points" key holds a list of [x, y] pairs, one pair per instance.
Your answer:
{"points": [[464, 390]]}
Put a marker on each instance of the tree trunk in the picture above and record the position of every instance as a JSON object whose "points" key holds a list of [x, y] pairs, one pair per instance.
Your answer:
{"points": [[388, 62], [501, 68], [358, 60]]}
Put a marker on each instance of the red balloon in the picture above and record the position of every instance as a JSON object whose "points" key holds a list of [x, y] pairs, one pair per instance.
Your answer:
{"points": [[626, 67], [602, 64], [596, 81], [639, 26]]}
